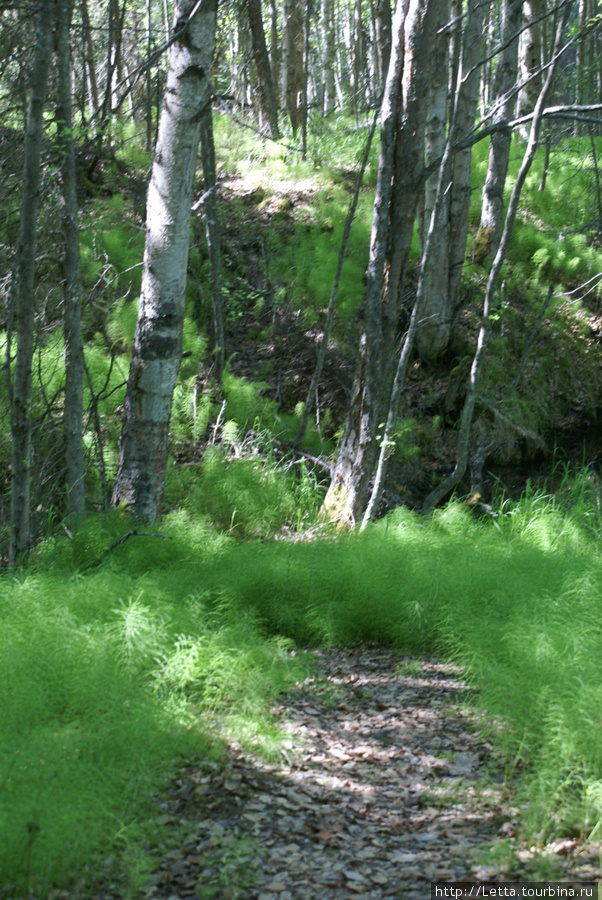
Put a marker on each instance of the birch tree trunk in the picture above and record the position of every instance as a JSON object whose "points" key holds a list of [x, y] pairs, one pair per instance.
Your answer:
{"points": [[156, 352], [23, 292], [499, 149], [399, 178], [529, 58], [464, 430], [358, 59], [74, 354]]}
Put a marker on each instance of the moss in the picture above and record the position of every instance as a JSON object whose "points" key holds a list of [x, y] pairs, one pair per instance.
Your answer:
{"points": [[482, 245]]}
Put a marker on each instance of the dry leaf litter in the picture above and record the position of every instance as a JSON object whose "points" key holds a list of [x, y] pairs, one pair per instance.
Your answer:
{"points": [[385, 786]]}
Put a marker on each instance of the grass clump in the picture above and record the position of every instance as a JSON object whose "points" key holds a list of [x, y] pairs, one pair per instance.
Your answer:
{"points": [[139, 647], [109, 678], [515, 599]]}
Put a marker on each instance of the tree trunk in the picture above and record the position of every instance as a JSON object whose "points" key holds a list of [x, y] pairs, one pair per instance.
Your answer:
{"points": [[467, 101], [499, 150], [358, 59], [465, 92], [157, 345], [24, 300], [328, 57], [292, 60], [382, 16], [149, 78], [464, 430], [304, 98], [435, 324], [212, 230], [399, 178], [529, 58], [265, 83], [89, 57], [275, 50], [408, 181], [74, 355]]}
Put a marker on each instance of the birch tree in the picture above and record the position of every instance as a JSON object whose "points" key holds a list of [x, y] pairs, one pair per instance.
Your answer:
{"points": [[401, 165], [156, 351], [504, 105], [442, 270], [465, 426]]}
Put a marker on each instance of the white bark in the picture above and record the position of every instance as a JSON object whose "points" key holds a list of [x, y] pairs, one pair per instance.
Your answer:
{"points": [[157, 343], [529, 57], [505, 102]]}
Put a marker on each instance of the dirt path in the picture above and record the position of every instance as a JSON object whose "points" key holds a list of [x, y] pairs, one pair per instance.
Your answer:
{"points": [[387, 787]]}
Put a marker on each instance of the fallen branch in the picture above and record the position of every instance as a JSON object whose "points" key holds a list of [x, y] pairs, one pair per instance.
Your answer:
{"points": [[125, 537]]}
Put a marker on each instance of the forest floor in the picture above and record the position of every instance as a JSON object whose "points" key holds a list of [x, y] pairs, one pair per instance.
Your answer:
{"points": [[386, 784]]}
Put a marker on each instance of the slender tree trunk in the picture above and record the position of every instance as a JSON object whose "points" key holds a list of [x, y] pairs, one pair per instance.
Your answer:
{"points": [[358, 58], [166, 21], [499, 150], [468, 98], [212, 229], [408, 181], [242, 54], [435, 325], [24, 296], [328, 56], [157, 345], [89, 56], [529, 57], [304, 98], [149, 78], [275, 51], [74, 354], [292, 60], [399, 178], [267, 94], [486, 69], [382, 16], [464, 430]]}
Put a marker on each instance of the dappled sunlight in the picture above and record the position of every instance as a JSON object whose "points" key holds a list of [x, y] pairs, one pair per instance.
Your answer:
{"points": [[385, 783]]}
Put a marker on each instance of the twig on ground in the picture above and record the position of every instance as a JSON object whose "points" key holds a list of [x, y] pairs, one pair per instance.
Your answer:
{"points": [[121, 540]]}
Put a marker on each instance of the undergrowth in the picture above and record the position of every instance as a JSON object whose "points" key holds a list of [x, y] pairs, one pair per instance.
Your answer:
{"points": [[115, 662], [117, 659]]}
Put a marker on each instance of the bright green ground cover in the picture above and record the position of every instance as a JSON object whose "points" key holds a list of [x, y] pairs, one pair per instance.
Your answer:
{"points": [[111, 672]]}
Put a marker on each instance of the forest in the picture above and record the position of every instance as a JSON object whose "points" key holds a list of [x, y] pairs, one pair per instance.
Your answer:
{"points": [[300, 450]]}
